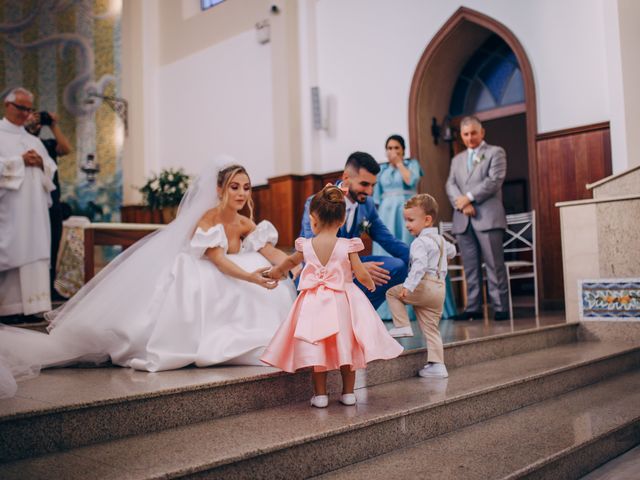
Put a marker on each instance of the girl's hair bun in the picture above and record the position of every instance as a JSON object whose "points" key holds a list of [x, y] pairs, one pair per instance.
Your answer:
{"points": [[328, 205], [333, 194]]}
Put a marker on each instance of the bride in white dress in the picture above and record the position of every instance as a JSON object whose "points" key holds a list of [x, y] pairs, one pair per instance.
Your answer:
{"points": [[191, 293]]}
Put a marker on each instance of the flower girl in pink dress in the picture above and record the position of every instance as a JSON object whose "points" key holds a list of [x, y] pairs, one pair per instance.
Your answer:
{"points": [[332, 325]]}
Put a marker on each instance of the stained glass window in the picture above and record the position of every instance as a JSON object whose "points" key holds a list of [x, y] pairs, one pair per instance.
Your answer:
{"points": [[490, 79], [205, 4]]}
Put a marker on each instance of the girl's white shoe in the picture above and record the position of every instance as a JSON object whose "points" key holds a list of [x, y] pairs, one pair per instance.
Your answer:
{"points": [[320, 401], [348, 399]]}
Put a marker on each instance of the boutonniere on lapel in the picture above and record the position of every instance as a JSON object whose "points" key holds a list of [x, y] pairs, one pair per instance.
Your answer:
{"points": [[365, 226], [477, 159]]}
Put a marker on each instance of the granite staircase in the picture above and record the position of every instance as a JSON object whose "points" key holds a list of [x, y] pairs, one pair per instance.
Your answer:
{"points": [[549, 403]]}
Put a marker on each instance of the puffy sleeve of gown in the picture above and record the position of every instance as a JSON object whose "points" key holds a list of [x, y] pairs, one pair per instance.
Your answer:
{"points": [[264, 233], [355, 245], [211, 238]]}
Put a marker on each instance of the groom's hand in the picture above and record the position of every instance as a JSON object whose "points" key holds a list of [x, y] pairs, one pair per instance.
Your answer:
{"points": [[380, 275]]}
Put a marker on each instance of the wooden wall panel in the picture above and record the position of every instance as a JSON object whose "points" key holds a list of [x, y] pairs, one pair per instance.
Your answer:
{"points": [[282, 201], [261, 203], [566, 162], [286, 197]]}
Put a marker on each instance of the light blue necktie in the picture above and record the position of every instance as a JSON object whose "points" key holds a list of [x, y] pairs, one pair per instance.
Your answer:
{"points": [[470, 161]]}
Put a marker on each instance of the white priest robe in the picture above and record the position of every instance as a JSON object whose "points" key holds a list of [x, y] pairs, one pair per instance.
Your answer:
{"points": [[25, 232]]}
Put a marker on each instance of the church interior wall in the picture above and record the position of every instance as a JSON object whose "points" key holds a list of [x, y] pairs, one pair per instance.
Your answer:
{"points": [[218, 100], [368, 51], [186, 30], [191, 75]]}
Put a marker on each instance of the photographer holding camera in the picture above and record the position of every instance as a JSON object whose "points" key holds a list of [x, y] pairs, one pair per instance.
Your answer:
{"points": [[59, 145]]}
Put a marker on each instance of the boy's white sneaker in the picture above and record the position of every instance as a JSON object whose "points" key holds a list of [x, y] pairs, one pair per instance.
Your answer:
{"points": [[398, 332], [320, 401], [348, 399], [434, 370]]}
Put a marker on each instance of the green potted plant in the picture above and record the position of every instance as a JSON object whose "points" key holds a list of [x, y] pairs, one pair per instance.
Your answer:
{"points": [[165, 191]]}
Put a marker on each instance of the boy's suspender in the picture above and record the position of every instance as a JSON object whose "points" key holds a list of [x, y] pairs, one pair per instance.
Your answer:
{"points": [[435, 238]]}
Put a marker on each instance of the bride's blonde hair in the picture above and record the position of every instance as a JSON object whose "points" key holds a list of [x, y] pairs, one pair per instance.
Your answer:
{"points": [[224, 178]]}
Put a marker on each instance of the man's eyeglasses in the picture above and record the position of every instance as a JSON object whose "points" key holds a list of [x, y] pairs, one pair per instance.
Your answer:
{"points": [[23, 108]]}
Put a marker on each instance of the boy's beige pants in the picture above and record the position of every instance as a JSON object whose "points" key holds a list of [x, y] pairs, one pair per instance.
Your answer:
{"points": [[427, 300]]}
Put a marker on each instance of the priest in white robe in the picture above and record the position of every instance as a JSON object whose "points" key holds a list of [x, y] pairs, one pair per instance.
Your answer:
{"points": [[26, 182]]}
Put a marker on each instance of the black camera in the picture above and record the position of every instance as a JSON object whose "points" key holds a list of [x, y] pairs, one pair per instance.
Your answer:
{"points": [[45, 118]]}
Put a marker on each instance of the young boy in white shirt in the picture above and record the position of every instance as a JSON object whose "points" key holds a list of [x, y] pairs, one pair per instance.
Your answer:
{"points": [[424, 287]]}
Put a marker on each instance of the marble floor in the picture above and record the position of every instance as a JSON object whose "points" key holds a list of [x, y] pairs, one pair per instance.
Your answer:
{"points": [[54, 386], [624, 467], [455, 331]]}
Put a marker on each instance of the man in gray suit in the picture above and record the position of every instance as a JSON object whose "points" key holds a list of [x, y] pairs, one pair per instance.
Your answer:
{"points": [[474, 189]]}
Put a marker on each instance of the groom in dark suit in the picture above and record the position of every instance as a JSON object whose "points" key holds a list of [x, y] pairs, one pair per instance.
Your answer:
{"points": [[474, 188], [359, 178]]}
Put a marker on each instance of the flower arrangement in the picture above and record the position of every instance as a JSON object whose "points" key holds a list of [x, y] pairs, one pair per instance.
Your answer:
{"points": [[165, 189]]}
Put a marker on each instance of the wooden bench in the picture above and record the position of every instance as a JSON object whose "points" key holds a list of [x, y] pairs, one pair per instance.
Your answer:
{"points": [[123, 234]]}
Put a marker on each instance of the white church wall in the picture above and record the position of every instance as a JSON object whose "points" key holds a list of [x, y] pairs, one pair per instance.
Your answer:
{"points": [[367, 51], [198, 84], [218, 100], [362, 55]]}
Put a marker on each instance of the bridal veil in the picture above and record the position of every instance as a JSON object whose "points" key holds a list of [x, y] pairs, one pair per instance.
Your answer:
{"points": [[97, 322]]}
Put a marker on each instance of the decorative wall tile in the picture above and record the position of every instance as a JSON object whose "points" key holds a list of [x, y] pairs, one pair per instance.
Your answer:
{"points": [[609, 299]]}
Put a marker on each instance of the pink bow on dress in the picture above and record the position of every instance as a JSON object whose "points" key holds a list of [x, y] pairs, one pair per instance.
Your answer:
{"points": [[318, 318]]}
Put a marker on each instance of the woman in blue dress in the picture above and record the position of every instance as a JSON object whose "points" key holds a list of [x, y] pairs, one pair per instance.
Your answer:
{"points": [[398, 182]]}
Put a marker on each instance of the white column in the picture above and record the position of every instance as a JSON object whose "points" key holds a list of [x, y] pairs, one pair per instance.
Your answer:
{"points": [[622, 37], [629, 15], [140, 61], [311, 153], [286, 87]]}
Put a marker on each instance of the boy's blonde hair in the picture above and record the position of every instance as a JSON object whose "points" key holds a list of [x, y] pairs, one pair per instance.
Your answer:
{"points": [[426, 202]]}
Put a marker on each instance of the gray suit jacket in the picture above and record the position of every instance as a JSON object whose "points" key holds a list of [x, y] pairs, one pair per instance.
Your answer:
{"points": [[485, 184]]}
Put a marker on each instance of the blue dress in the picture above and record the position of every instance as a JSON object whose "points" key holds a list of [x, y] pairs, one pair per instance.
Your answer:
{"points": [[390, 194]]}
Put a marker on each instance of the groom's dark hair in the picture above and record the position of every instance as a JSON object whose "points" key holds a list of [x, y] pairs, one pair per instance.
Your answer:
{"points": [[358, 160]]}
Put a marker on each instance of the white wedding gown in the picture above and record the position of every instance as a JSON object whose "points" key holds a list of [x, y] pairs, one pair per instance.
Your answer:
{"points": [[208, 318], [193, 314]]}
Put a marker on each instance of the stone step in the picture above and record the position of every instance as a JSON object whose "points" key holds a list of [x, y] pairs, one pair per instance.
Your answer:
{"points": [[71, 407], [297, 441], [563, 437]]}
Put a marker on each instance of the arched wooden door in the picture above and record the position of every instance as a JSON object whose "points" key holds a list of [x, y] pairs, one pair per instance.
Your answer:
{"points": [[432, 89]]}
